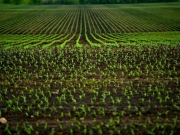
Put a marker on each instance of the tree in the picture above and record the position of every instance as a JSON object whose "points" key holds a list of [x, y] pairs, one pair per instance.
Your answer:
{"points": [[35, 1], [81, 1], [17, 2], [6, 1]]}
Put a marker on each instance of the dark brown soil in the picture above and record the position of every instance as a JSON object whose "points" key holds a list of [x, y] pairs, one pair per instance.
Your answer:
{"points": [[98, 74]]}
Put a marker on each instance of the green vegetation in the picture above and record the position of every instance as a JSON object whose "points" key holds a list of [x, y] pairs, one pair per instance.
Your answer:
{"points": [[82, 1], [82, 69], [48, 26]]}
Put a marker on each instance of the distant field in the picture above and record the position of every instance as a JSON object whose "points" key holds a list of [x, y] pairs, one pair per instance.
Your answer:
{"points": [[99, 25], [90, 69]]}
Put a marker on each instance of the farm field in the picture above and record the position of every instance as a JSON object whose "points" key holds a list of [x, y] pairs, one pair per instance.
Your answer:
{"points": [[90, 69]]}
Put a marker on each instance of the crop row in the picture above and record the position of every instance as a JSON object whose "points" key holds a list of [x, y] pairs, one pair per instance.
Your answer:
{"points": [[87, 25], [101, 21]]}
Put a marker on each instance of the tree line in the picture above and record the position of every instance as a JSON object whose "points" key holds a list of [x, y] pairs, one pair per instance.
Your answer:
{"points": [[120, 1], [83, 1]]}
